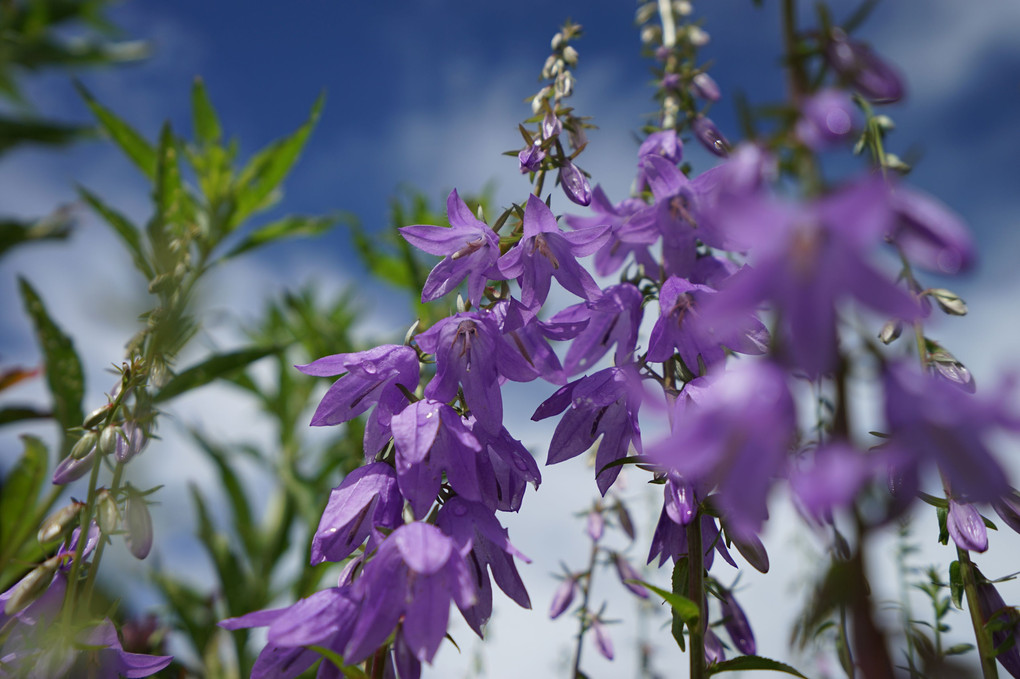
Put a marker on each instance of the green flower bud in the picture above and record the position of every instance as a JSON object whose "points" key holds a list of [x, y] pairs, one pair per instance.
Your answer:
{"points": [[108, 439], [31, 586], [96, 416], [59, 523], [107, 514], [949, 302], [84, 445]]}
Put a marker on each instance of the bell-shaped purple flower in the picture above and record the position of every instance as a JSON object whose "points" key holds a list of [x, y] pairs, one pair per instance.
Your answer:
{"points": [[575, 184], [530, 337], [1007, 625], [416, 572], [736, 624], [505, 468], [930, 234], [669, 540], [827, 118], [604, 404], [324, 619], [682, 328], [366, 500], [470, 248], [545, 251], [530, 158], [473, 526], [612, 320], [614, 253], [966, 526], [860, 66]]}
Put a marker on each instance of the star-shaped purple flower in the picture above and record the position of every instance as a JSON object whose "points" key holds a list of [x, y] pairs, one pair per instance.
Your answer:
{"points": [[366, 500], [613, 319], [612, 255]]}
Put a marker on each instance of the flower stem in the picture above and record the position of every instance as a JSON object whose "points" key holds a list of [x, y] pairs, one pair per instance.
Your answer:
{"points": [[981, 635], [696, 593], [90, 580], [585, 595]]}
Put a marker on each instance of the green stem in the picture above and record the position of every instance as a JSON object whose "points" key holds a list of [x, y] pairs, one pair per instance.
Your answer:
{"points": [[984, 640], [585, 596], [87, 511], [90, 580], [696, 593]]}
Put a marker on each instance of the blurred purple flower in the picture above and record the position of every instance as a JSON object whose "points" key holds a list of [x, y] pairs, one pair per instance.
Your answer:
{"points": [[714, 652], [603, 642], [736, 624], [702, 85], [366, 500], [596, 525], [562, 597], [931, 235], [859, 65], [626, 572], [1008, 509], [828, 117], [832, 481]]}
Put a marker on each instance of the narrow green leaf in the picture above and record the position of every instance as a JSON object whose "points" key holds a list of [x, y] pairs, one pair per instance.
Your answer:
{"points": [[259, 180], [217, 366], [168, 192], [752, 662], [123, 135], [956, 584], [64, 373], [630, 459], [123, 227], [17, 414], [687, 609], [15, 131], [207, 124], [20, 490], [238, 589], [235, 492], [338, 662], [679, 584], [291, 226], [959, 649], [56, 226]]}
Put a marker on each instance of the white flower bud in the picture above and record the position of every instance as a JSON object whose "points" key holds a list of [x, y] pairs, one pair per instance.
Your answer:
{"points": [[59, 523], [890, 332], [107, 514], [31, 586], [557, 40], [650, 35], [683, 8], [949, 302], [697, 36], [570, 55]]}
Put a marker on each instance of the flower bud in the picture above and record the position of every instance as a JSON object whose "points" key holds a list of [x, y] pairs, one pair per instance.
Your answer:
{"points": [[710, 136], [949, 302], [670, 81], [557, 40], [602, 641], [31, 586], [737, 625], [651, 35], [753, 551], [551, 126], [623, 516], [530, 158], [107, 514], [871, 76], [84, 445], [947, 367], [714, 651], [71, 469], [890, 332], [966, 527], [563, 597], [130, 441], [1008, 509], [626, 573], [108, 439], [683, 7], [570, 55], [59, 523], [564, 85], [96, 416], [596, 525], [139, 526], [703, 86], [575, 184], [697, 36]]}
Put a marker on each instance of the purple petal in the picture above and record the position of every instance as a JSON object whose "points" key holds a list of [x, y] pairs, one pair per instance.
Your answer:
{"points": [[967, 527]]}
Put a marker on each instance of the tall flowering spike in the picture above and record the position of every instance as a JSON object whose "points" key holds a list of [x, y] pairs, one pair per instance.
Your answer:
{"points": [[472, 354], [933, 421], [470, 248], [682, 328], [613, 320], [807, 258], [475, 528], [431, 439], [860, 66], [1007, 628], [614, 253], [605, 404], [828, 117], [366, 500], [732, 432], [545, 252], [367, 378], [736, 624], [416, 573], [966, 527], [324, 619]]}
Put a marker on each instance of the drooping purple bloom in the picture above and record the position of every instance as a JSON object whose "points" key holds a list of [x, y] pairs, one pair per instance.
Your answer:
{"points": [[131, 440], [736, 624], [966, 526], [545, 251], [673, 216], [832, 481], [681, 328], [702, 85], [416, 573], [626, 572], [470, 248], [473, 526], [530, 337], [324, 619], [505, 468], [828, 117], [366, 500], [367, 378], [431, 439], [563, 597], [575, 184], [530, 158], [71, 469], [807, 258], [930, 234], [612, 255], [933, 421], [603, 642], [860, 66], [669, 540], [732, 432], [471, 354], [604, 404], [595, 525], [992, 606], [665, 144], [706, 132], [612, 320]]}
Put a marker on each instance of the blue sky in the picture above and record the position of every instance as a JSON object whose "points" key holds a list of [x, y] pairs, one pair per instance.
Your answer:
{"points": [[431, 95]]}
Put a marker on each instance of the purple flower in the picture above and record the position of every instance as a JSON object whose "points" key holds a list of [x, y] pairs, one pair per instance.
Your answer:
{"points": [[71, 469], [966, 526], [732, 432], [324, 619], [505, 468], [545, 252], [626, 572], [131, 440], [603, 642], [931, 420], [613, 319], [1006, 624], [856, 63], [806, 259], [828, 117], [710, 137], [673, 216], [669, 540], [474, 527], [562, 597], [469, 245], [367, 378], [665, 144], [596, 525], [366, 500], [431, 438], [530, 158], [1008, 509], [714, 651], [414, 575], [930, 234], [702, 85], [575, 184], [682, 328], [736, 624], [471, 354], [612, 255], [107, 658], [836, 475], [522, 329], [604, 404]]}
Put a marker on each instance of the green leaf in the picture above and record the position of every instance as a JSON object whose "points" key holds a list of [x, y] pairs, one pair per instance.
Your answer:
{"points": [[291, 226], [959, 649], [752, 662], [258, 182], [630, 459], [15, 131], [338, 662], [217, 366], [239, 589], [171, 199], [207, 124], [679, 584], [20, 490], [123, 227], [687, 609], [56, 226], [235, 492], [123, 135], [956, 584], [19, 413], [64, 373]]}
